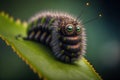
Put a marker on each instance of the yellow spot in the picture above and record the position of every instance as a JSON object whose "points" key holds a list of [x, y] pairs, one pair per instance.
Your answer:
{"points": [[25, 24], [6, 15], [11, 19], [2, 13], [87, 4], [18, 21]]}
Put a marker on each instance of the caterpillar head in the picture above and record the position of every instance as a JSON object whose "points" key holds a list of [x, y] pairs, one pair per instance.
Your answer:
{"points": [[70, 27], [69, 39]]}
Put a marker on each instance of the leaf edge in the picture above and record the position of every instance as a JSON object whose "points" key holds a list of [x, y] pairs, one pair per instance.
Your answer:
{"points": [[24, 24]]}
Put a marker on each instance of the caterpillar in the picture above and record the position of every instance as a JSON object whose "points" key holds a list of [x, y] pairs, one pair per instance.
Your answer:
{"points": [[63, 33]]}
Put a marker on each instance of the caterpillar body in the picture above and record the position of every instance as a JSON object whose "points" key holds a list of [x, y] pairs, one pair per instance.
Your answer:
{"points": [[61, 32]]}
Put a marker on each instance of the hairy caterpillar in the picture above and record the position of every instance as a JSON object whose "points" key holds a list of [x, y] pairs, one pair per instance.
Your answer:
{"points": [[63, 33]]}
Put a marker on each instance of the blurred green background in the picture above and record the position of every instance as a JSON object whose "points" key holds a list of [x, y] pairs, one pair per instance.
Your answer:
{"points": [[103, 41]]}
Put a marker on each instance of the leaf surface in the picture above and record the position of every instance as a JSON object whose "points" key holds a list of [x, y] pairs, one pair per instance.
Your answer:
{"points": [[39, 57]]}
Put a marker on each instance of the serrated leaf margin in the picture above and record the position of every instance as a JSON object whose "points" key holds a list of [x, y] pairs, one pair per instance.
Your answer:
{"points": [[18, 22]]}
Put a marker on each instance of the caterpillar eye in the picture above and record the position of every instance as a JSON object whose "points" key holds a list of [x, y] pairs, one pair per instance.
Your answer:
{"points": [[78, 29], [69, 28]]}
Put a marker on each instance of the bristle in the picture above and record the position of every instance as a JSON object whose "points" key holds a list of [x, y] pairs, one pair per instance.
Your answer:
{"points": [[51, 14]]}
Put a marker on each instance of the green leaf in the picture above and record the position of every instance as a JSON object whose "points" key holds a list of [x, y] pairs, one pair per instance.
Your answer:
{"points": [[39, 57]]}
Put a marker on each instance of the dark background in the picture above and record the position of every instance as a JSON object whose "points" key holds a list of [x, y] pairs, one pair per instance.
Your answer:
{"points": [[103, 41]]}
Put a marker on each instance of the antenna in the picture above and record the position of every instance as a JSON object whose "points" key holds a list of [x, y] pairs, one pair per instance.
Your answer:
{"points": [[83, 9], [88, 21]]}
